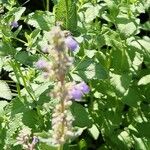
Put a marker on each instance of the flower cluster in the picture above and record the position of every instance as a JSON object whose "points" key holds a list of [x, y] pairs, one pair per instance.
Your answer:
{"points": [[78, 90], [64, 92], [24, 139]]}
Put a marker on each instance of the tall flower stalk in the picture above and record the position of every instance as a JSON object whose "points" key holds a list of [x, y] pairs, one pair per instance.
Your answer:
{"points": [[64, 92]]}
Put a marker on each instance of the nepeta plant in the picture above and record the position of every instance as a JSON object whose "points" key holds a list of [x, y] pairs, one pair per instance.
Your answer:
{"points": [[64, 91], [44, 103]]}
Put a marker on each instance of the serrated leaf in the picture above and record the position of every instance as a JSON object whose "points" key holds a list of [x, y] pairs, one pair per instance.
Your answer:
{"points": [[5, 91], [41, 20]]}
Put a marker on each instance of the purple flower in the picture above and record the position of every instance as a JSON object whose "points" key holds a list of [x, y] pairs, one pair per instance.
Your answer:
{"points": [[84, 87], [78, 90], [14, 24], [71, 43], [41, 64], [75, 93], [35, 140]]}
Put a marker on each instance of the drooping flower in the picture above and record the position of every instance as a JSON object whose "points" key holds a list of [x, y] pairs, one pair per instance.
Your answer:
{"points": [[71, 43], [14, 24]]}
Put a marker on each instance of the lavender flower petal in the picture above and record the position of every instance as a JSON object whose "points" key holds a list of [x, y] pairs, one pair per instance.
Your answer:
{"points": [[76, 93], [71, 43], [84, 87], [14, 24]]}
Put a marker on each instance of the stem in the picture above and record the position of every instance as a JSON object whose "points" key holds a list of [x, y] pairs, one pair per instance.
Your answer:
{"points": [[47, 5], [16, 68], [60, 147]]}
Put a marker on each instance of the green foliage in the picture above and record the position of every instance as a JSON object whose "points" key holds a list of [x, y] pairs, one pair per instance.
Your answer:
{"points": [[113, 59], [66, 12], [41, 20]]}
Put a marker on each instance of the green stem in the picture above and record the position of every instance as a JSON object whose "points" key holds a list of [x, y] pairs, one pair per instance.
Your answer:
{"points": [[60, 147], [47, 5], [16, 65]]}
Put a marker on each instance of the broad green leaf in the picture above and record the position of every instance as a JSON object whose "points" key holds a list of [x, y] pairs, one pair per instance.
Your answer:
{"points": [[41, 20], [120, 82], [44, 146], [127, 29], [81, 116], [88, 69], [5, 91], [132, 97], [144, 80], [91, 13]]}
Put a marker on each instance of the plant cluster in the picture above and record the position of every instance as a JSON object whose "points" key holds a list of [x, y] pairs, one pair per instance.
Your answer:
{"points": [[74, 74]]}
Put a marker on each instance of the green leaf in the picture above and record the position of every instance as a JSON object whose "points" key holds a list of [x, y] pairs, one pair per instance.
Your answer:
{"points": [[91, 13], [5, 91], [144, 80], [66, 12], [120, 82], [6, 48], [18, 13], [89, 69], [41, 20], [132, 97], [81, 116]]}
